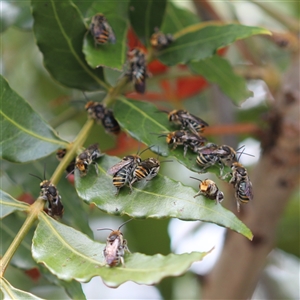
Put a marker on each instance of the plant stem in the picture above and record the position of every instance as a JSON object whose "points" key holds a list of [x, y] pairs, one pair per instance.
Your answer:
{"points": [[35, 209], [71, 153]]}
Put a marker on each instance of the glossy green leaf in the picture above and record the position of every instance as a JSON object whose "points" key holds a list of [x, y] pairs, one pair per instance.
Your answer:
{"points": [[177, 18], [218, 70], [108, 55], [59, 30], [160, 197], [69, 254], [15, 13], [9, 292], [195, 42], [9, 227], [25, 136], [8, 204], [145, 16], [144, 122]]}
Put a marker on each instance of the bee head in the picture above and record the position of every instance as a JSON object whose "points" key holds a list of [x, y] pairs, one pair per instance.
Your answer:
{"points": [[170, 138], [81, 166], [173, 115], [45, 184]]}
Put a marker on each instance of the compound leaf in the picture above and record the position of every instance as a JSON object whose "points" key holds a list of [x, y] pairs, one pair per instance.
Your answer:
{"points": [[69, 254], [25, 136]]}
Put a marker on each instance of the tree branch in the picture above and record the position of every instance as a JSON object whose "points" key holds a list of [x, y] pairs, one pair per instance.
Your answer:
{"points": [[236, 273]]}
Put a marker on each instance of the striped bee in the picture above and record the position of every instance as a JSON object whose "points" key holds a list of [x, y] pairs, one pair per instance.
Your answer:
{"points": [[101, 30], [207, 156], [137, 69], [226, 154], [209, 189], [86, 158], [147, 169], [160, 40], [241, 183], [109, 122], [95, 110], [50, 194], [187, 121], [185, 139], [115, 248]]}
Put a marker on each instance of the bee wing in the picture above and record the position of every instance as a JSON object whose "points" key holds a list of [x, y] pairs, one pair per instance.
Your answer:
{"points": [[111, 34], [117, 167], [187, 116], [248, 189]]}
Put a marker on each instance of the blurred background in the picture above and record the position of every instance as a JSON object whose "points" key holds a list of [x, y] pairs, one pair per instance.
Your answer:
{"points": [[261, 60]]}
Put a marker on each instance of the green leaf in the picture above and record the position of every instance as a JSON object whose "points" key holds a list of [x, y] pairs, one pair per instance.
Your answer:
{"points": [[108, 55], [9, 292], [59, 30], [15, 13], [177, 18], [218, 70], [195, 42], [8, 204], [145, 16], [144, 122], [25, 136], [69, 254], [9, 228], [160, 197]]}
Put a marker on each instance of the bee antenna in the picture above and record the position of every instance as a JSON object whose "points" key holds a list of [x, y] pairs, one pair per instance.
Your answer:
{"points": [[162, 135], [196, 178], [246, 154], [169, 160], [86, 98], [104, 229], [240, 155], [70, 173], [243, 146], [163, 111], [36, 177], [124, 223], [44, 171], [146, 149]]}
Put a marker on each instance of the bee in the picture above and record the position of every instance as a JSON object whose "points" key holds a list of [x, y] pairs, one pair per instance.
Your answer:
{"points": [[185, 139], [187, 121], [87, 157], [60, 154], [137, 69], [115, 248], [147, 169], [209, 189], [109, 122], [50, 193], [226, 154], [123, 171], [101, 30], [160, 40], [241, 183], [207, 156], [95, 110]]}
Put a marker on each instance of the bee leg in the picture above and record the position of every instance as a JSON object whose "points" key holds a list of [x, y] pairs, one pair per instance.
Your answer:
{"points": [[96, 167], [185, 150], [198, 194], [238, 205], [122, 262], [117, 192]]}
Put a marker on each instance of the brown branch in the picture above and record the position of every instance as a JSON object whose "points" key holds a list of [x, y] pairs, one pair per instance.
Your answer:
{"points": [[232, 129], [276, 175]]}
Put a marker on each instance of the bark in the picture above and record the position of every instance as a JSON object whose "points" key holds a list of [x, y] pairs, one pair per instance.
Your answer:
{"points": [[237, 271]]}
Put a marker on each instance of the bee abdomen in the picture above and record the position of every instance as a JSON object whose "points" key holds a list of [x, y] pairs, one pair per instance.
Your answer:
{"points": [[141, 173]]}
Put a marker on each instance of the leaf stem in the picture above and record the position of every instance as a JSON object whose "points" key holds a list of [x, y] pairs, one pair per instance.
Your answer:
{"points": [[80, 139], [35, 209]]}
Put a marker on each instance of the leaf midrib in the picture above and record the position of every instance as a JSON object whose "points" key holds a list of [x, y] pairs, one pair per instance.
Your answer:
{"points": [[31, 133]]}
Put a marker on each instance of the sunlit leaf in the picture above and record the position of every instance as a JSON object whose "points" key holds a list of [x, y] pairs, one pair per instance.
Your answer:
{"points": [[69, 254], [8, 204], [59, 30], [9, 292], [194, 44], [108, 55], [160, 197], [145, 16], [25, 136], [218, 70], [9, 228], [177, 18]]}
